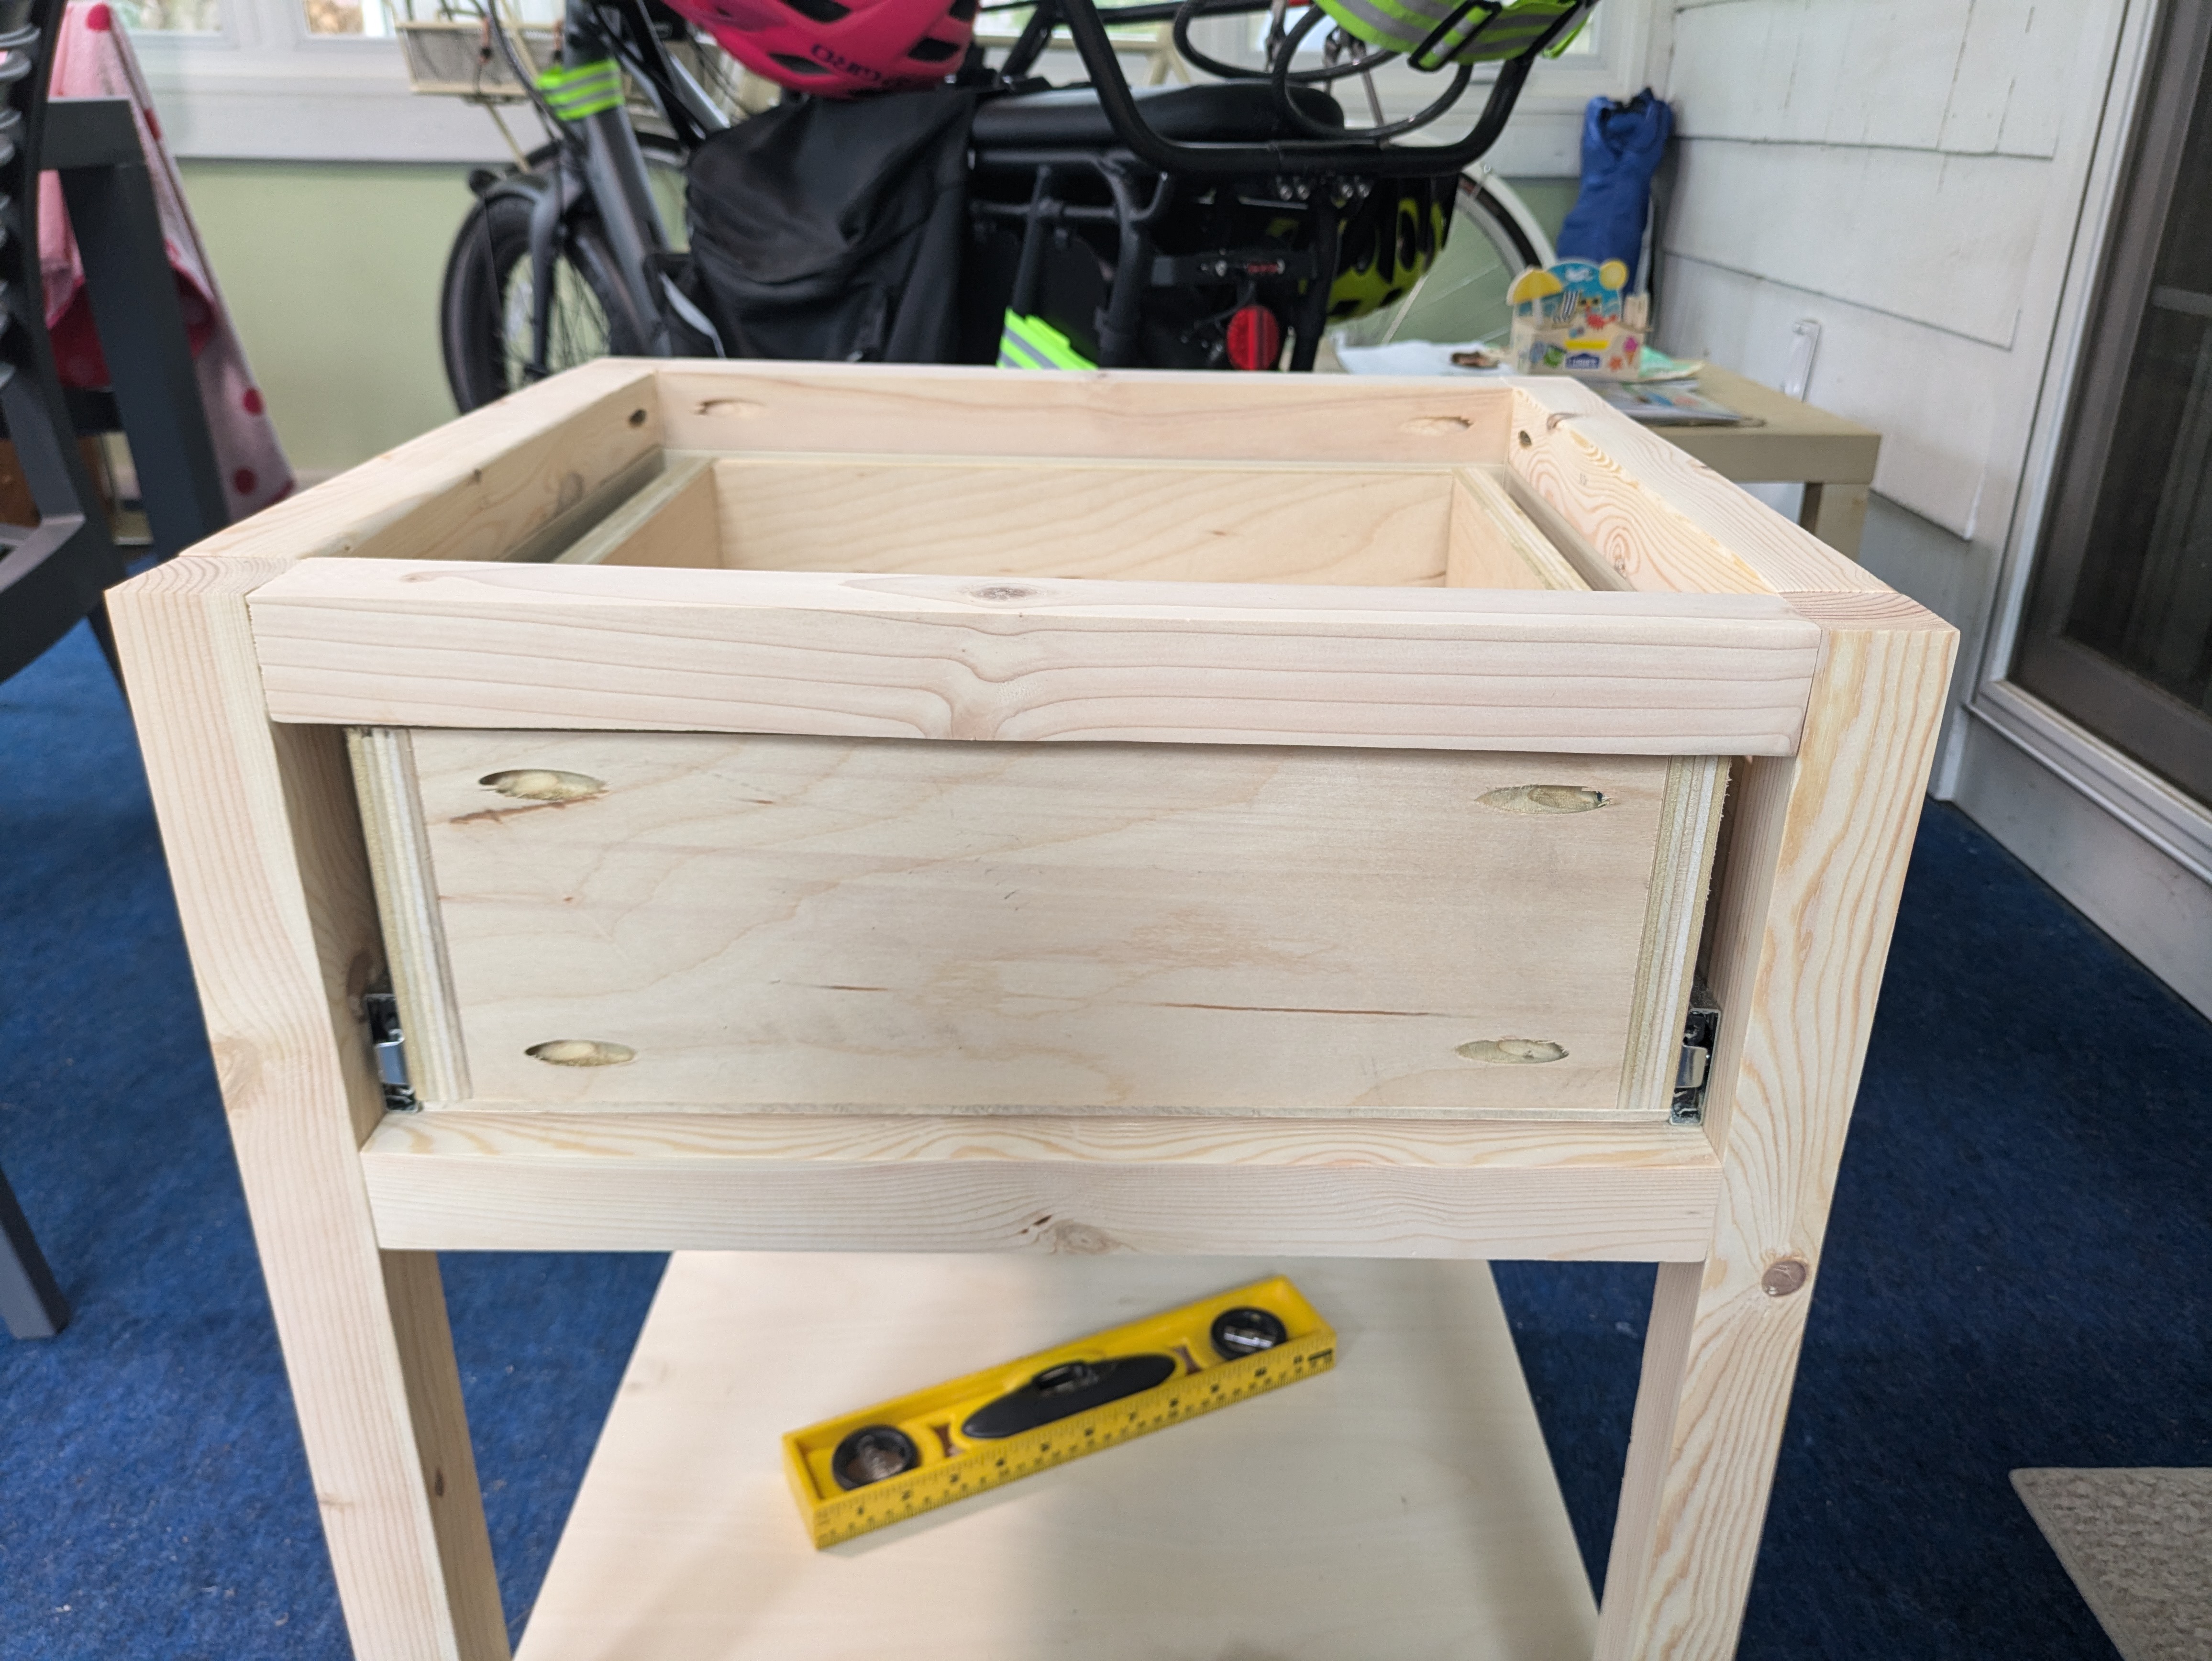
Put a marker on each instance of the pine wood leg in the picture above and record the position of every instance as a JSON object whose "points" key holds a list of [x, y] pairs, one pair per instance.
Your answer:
{"points": [[374, 1380], [1717, 1372], [1816, 854], [265, 846]]}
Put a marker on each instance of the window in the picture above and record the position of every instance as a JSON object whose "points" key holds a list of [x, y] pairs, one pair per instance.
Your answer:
{"points": [[324, 80], [170, 16], [2119, 633], [346, 17]]}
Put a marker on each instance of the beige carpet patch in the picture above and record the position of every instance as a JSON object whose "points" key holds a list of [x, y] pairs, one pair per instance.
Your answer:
{"points": [[2139, 1546]]}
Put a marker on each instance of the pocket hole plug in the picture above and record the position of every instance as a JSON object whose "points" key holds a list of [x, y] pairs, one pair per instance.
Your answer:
{"points": [[581, 1052], [543, 784], [1543, 799], [1514, 1052]]}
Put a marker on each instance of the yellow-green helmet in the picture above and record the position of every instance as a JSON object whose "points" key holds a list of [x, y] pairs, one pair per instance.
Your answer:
{"points": [[1387, 242], [1487, 31]]}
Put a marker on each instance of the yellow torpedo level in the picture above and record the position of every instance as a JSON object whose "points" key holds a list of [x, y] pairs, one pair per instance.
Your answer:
{"points": [[903, 1458]]}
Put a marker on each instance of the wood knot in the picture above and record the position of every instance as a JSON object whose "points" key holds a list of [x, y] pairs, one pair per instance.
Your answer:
{"points": [[1513, 1052], [1784, 1278], [581, 1052], [1068, 1238]]}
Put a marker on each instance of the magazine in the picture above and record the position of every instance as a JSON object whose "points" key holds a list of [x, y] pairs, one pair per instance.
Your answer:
{"points": [[1669, 403]]}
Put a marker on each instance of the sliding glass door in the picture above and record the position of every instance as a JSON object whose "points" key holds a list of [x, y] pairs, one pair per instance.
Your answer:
{"points": [[2120, 625]]}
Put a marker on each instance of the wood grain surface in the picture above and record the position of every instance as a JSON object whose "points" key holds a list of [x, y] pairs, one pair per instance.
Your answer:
{"points": [[461, 1180], [671, 520], [1674, 923], [1495, 544], [264, 851], [840, 925], [1400, 1507], [1275, 885], [390, 644], [1660, 518], [1804, 910], [413, 935], [1138, 521], [475, 489], [765, 409]]}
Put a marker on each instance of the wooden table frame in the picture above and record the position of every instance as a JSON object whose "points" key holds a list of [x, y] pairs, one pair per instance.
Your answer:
{"points": [[265, 846], [1792, 443]]}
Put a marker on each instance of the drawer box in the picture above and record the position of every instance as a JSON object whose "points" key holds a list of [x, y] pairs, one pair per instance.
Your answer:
{"points": [[894, 925], [1314, 787]]}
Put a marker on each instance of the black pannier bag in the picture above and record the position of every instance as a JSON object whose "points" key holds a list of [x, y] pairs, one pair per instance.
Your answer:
{"points": [[834, 232]]}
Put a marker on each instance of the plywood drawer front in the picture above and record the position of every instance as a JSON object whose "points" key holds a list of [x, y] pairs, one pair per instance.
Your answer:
{"points": [[787, 921]]}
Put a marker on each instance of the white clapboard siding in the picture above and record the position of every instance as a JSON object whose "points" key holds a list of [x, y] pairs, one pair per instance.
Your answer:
{"points": [[1934, 239], [1980, 78], [1811, 73], [2010, 92], [1936, 398], [1899, 171]]}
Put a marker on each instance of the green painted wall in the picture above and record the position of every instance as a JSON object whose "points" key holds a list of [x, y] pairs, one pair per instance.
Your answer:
{"points": [[1548, 200], [332, 271]]}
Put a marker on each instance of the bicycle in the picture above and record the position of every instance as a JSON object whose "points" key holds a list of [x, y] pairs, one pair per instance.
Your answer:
{"points": [[1154, 216]]}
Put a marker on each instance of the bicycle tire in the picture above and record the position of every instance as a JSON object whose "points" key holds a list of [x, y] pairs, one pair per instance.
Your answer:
{"points": [[664, 160], [484, 305], [1477, 309]]}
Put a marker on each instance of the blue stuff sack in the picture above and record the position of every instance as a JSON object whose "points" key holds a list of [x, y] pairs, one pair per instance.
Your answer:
{"points": [[1621, 147]]}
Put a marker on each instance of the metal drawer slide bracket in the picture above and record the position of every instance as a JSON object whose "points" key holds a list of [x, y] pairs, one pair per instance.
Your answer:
{"points": [[1699, 1030], [388, 1044]]}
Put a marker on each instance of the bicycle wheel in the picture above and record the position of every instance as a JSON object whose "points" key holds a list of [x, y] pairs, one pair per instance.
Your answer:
{"points": [[1462, 297], [485, 309]]}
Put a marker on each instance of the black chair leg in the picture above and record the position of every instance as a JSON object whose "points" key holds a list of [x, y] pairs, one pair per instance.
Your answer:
{"points": [[103, 632], [31, 1303]]}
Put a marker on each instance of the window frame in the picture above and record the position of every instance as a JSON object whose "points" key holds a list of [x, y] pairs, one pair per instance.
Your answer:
{"points": [[2123, 709], [263, 89]]}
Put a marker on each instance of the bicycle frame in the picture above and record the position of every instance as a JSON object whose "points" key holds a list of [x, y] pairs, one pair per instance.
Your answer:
{"points": [[601, 159], [1351, 156]]}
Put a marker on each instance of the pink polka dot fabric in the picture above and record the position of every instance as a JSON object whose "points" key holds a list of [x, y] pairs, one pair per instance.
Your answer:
{"points": [[93, 59]]}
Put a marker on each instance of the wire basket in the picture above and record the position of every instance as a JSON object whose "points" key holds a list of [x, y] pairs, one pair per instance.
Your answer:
{"points": [[457, 58]]}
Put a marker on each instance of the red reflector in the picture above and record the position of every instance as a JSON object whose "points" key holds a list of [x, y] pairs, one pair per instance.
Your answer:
{"points": [[1255, 339]]}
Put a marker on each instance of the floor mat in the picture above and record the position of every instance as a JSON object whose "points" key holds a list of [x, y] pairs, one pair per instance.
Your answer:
{"points": [[2139, 1545]]}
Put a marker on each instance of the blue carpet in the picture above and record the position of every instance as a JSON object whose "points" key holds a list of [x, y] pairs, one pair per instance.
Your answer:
{"points": [[2014, 1277], [154, 1498]]}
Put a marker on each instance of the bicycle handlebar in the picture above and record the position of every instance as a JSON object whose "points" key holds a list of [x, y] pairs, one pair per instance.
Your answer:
{"points": [[1365, 158]]}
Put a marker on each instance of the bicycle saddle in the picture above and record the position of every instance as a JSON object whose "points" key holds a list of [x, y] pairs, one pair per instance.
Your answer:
{"points": [[1225, 112]]}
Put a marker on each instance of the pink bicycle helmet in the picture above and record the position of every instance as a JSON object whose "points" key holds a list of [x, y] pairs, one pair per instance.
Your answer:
{"points": [[840, 48]]}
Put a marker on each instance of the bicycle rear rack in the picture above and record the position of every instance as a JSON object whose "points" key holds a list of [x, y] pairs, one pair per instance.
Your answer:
{"points": [[1351, 156]]}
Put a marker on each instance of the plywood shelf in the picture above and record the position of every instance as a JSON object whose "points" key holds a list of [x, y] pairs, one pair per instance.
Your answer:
{"points": [[1401, 1506]]}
